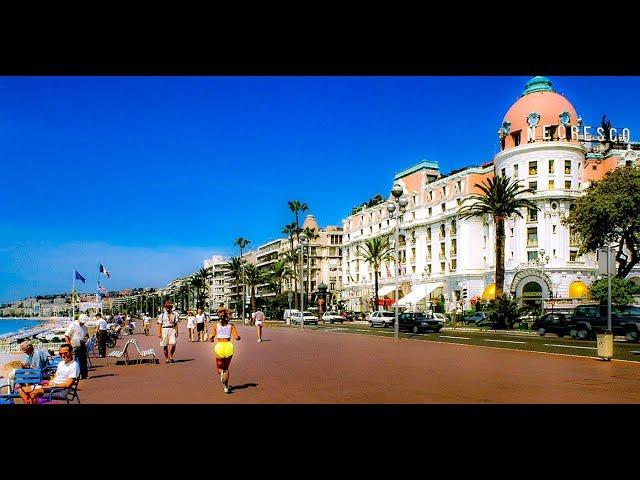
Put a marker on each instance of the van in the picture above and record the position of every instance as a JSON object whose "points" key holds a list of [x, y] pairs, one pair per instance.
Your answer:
{"points": [[288, 312], [588, 320]]}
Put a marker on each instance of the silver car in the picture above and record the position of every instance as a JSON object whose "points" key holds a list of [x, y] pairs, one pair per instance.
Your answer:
{"points": [[381, 319], [306, 317], [332, 317]]}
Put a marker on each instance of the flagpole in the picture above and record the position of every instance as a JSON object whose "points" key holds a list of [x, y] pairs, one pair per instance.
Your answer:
{"points": [[73, 309], [98, 288]]}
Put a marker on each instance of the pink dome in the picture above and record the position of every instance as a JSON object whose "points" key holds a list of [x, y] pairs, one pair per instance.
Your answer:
{"points": [[541, 101]]}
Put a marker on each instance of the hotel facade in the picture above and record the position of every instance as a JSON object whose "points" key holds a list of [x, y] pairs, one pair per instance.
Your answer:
{"points": [[544, 146]]}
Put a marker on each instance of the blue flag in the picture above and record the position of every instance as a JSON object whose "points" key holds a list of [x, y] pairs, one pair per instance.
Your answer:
{"points": [[80, 277]]}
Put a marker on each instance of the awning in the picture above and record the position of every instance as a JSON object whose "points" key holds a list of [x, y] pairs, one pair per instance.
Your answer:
{"points": [[385, 290], [418, 293], [578, 290], [489, 292]]}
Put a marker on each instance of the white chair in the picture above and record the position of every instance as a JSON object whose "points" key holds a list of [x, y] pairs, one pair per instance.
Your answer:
{"points": [[120, 353], [145, 353]]}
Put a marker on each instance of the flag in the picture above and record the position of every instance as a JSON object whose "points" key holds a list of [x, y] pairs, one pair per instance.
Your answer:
{"points": [[102, 289], [80, 277], [104, 270]]}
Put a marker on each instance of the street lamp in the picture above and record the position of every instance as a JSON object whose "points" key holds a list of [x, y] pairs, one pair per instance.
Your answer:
{"points": [[303, 239], [244, 321], [542, 261], [402, 202]]}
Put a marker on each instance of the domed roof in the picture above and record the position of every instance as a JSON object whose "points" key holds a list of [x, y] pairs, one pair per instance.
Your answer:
{"points": [[539, 105], [578, 289], [310, 222]]}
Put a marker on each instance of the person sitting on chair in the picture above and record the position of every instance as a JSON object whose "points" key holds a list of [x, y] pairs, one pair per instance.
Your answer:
{"points": [[68, 372], [33, 358]]}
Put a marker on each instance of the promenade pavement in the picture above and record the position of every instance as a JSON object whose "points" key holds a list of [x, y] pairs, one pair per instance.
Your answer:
{"points": [[298, 367]]}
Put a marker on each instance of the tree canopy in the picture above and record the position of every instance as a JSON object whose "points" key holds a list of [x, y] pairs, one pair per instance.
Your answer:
{"points": [[622, 290], [608, 213]]}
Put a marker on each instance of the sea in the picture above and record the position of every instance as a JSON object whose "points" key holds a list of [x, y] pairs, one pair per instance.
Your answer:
{"points": [[12, 325]]}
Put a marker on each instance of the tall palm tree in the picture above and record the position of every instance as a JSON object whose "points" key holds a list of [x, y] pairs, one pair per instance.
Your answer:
{"points": [[277, 273], [298, 207], [234, 271], [375, 251], [500, 198], [291, 229], [311, 234], [253, 276], [242, 244], [199, 281]]}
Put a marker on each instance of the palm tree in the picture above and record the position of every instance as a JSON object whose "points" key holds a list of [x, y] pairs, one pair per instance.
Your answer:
{"points": [[242, 243], [277, 273], [374, 252], [234, 270], [311, 235], [253, 276], [199, 281], [291, 229], [297, 207], [500, 198]]}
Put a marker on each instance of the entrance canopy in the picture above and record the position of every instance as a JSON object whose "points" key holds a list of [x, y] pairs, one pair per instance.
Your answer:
{"points": [[418, 293], [385, 290]]}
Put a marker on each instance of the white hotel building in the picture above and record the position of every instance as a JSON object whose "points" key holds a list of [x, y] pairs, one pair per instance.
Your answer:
{"points": [[440, 254]]}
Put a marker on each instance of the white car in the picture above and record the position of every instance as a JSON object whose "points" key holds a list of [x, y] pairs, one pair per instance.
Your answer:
{"points": [[332, 317], [384, 319], [306, 317], [440, 316]]}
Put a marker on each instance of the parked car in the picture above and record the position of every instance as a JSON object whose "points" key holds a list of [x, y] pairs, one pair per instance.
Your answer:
{"points": [[475, 318], [557, 323], [332, 317], [287, 313], [306, 317], [440, 316], [417, 322], [589, 320], [382, 319]]}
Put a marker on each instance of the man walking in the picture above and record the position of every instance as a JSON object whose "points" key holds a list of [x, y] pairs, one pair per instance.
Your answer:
{"points": [[168, 331], [76, 335], [101, 335], [259, 321]]}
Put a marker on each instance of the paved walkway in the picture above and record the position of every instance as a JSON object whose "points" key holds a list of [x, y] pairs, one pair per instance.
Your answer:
{"points": [[293, 366]]}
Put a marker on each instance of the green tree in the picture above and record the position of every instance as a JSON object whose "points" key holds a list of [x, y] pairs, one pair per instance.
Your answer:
{"points": [[506, 311], [375, 251], [253, 277], [622, 291], [608, 214], [297, 208], [234, 271], [500, 199], [277, 273], [199, 281], [291, 230]]}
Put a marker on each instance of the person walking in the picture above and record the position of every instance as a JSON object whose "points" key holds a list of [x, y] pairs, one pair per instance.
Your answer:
{"points": [[259, 320], [191, 325], [200, 334], [222, 332], [76, 335], [101, 335], [168, 331], [146, 320]]}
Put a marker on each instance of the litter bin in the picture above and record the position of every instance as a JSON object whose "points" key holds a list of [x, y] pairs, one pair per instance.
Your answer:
{"points": [[605, 345]]}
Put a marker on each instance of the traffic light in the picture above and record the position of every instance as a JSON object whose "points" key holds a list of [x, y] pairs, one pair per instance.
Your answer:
{"points": [[464, 293]]}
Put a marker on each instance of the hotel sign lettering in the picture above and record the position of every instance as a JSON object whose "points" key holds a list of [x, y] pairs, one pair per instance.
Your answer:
{"points": [[574, 133]]}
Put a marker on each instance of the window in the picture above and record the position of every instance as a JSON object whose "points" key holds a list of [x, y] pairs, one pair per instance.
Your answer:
{"points": [[442, 230], [552, 184], [454, 229], [516, 138], [551, 166], [413, 269], [573, 255], [454, 265], [511, 232], [428, 252], [504, 172], [428, 269], [594, 167], [515, 171], [533, 215], [533, 168], [442, 267], [429, 211], [332, 285], [459, 201], [453, 247], [553, 228], [429, 233], [430, 194], [442, 252], [567, 184], [459, 185], [444, 191], [533, 186], [532, 237], [532, 256], [554, 253], [443, 207], [567, 167]]}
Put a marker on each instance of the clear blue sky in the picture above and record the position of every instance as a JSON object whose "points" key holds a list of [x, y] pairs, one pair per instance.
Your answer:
{"points": [[150, 175]]}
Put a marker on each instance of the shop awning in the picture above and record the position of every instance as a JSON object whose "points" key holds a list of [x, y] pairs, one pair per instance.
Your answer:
{"points": [[578, 290], [385, 290], [418, 293], [489, 292]]}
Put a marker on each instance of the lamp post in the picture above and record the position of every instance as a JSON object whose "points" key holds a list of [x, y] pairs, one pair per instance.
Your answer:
{"points": [[402, 202], [542, 261], [244, 321], [303, 238]]}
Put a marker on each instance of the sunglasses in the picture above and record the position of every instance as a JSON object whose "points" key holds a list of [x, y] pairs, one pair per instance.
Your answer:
{"points": [[65, 353]]}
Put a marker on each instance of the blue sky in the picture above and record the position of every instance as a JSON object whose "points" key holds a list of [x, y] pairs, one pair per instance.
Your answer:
{"points": [[150, 175]]}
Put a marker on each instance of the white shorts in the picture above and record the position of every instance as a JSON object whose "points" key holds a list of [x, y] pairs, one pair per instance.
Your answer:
{"points": [[168, 336], [258, 323]]}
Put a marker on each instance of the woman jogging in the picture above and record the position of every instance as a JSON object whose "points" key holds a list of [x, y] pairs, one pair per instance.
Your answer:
{"points": [[223, 349]]}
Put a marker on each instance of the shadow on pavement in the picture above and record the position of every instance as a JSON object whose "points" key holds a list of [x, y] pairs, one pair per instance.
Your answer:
{"points": [[100, 376], [244, 385]]}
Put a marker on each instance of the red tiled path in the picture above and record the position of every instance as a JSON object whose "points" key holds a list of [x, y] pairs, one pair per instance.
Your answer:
{"points": [[293, 366]]}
